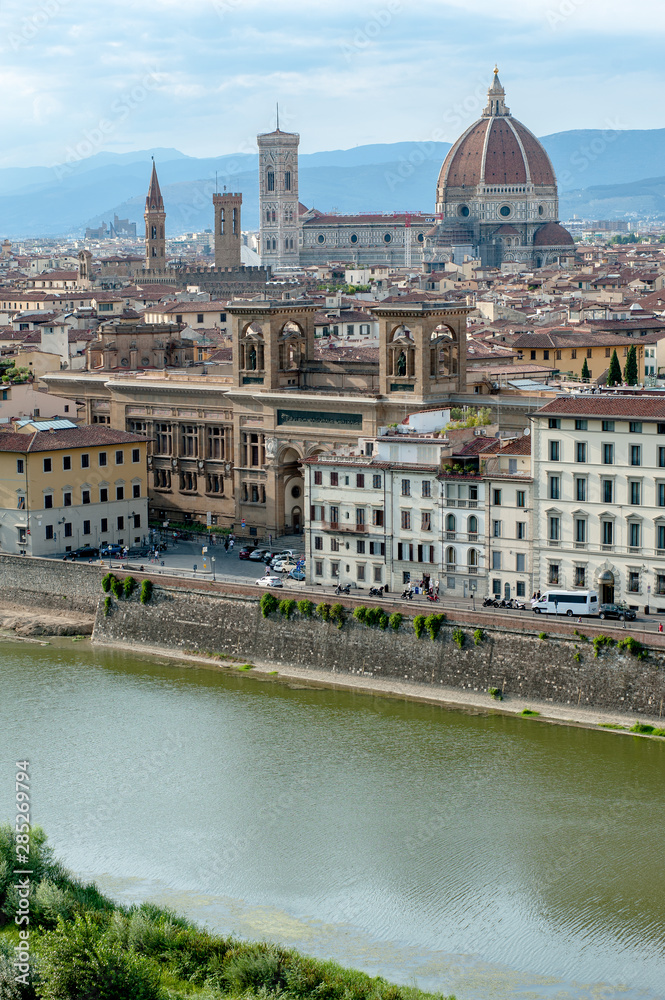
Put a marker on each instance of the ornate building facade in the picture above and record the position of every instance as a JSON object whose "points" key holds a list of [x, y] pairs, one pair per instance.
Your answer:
{"points": [[231, 446], [497, 195], [278, 198]]}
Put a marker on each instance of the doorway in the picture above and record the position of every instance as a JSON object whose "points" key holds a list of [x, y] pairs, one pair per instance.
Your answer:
{"points": [[506, 591], [608, 594], [296, 520]]}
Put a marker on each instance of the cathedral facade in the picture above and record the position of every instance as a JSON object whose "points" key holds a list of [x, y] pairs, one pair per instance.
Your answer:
{"points": [[497, 195]]}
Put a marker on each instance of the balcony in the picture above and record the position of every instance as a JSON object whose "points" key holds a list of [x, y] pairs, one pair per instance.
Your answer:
{"points": [[350, 528], [580, 545], [553, 542], [451, 536]]}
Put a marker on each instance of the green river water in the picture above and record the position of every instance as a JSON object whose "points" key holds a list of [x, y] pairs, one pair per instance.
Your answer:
{"points": [[473, 853]]}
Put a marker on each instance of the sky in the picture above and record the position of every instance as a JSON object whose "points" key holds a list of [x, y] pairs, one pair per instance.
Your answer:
{"points": [[203, 76]]}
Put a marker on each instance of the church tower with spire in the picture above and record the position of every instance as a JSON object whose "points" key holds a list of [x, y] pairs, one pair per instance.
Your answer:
{"points": [[278, 198], [155, 217]]}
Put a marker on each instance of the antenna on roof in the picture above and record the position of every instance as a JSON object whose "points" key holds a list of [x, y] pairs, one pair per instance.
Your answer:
{"points": [[216, 184], [278, 116]]}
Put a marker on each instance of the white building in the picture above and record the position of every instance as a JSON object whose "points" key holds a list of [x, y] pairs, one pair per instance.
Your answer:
{"points": [[508, 516], [599, 496]]}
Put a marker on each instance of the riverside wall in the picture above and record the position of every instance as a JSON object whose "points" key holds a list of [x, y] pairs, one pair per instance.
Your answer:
{"points": [[192, 616]]}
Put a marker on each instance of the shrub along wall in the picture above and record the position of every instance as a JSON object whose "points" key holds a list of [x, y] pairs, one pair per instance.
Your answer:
{"points": [[426, 650]]}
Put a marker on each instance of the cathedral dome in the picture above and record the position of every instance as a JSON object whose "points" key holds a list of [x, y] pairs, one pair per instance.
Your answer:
{"points": [[496, 150], [552, 235]]}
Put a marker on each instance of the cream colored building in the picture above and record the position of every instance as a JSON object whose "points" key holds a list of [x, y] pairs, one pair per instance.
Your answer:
{"points": [[599, 496], [63, 486], [509, 521]]}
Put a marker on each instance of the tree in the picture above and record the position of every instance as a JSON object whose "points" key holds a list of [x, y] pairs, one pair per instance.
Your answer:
{"points": [[630, 371], [585, 370], [614, 374]]}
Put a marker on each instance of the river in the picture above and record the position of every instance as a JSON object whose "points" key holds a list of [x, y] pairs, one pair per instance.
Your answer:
{"points": [[474, 853]]}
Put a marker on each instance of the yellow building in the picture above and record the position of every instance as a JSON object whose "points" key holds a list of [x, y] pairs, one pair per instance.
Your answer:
{"points": [[567, 351], [64, 486]]}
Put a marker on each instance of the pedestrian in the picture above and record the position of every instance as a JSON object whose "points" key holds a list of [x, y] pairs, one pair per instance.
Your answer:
{"points": [[436, 587], [660, 626], [579, 620], [231, 542]]}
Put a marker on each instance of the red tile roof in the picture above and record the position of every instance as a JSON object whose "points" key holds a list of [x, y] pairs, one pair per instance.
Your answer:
{"points": [[606, 405], [84, 436]]}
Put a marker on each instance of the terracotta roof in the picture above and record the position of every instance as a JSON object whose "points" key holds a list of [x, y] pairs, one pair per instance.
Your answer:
{"points": [[84, 436], [498, 150], [552, 235], [607, 405], [475, 447], [520, 446]]}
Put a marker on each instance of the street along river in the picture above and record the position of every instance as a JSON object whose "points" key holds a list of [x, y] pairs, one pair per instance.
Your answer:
{"points": [[472, 853]]}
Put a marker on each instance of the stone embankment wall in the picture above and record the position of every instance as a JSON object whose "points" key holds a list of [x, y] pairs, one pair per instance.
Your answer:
{"points": [[519, 663], [203, 617], [50, 583]]}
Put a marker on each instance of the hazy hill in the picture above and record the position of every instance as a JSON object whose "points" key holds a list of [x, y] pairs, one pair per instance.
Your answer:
{"points": [[601, 175]]}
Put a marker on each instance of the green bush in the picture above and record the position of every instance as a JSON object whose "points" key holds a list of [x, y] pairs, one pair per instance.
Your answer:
{"points": [[128, 586], [529, 711], [433, 625], [577, 656], [395, 621], [323, 611], [601, 640], [337, 615], [478, 636], [146, 591], [108, 604], [287, 607], [458, 637], [419, 625], [542, 635], [360, 614], [268, 604], [306, 608], [634, 647], [106, 582], [642, 727], [116, 587], [495, 693], [581, 636]]}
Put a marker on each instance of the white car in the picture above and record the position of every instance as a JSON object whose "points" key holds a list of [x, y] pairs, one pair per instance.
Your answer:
{"points": [[285, 566], [269, 581]]}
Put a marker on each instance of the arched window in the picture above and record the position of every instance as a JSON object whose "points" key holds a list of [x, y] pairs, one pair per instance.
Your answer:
{"points": [[451, 525], [287, 180], [271, 180], [451, 556], [221, 222], [473, 525], [472, 558]]}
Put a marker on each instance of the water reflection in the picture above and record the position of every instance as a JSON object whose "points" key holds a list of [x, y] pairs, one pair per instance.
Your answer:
{"points": [[391, 828]]}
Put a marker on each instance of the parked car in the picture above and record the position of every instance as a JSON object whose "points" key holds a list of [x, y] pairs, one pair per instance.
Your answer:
{"points": [[619, 611], [283, 554], [111, 550], [269, 581], [257, 555], [285, 566], [246, 552], [297, 574], [85, 552]]}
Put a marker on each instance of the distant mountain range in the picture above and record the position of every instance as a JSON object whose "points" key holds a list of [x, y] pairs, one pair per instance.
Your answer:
{"points": [[601, 174]]}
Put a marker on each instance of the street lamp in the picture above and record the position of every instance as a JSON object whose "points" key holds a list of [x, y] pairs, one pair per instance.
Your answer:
{"points": [[213, 568]]}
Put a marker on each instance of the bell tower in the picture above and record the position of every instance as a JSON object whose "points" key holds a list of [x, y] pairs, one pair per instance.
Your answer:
{"points": [[278, 198], [155, 217], [228, 238]]}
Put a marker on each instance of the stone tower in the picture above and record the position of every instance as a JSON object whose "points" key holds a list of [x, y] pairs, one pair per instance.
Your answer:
{"points": [[155, 217], [228, 239], [278, 198]]}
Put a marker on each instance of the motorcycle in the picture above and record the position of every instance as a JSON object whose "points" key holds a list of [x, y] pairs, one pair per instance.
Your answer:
{"points": [[346, 589], [433, 597], [515, 605], [407, 595], [489, 603], [376, 591]]}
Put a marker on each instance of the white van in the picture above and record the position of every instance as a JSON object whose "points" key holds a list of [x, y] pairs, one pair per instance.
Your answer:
{"points": [[564, 602]]}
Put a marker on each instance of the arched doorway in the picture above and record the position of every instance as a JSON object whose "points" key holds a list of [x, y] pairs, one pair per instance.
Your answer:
{"points": [[293, 491], [296, 520], [606, 584]]}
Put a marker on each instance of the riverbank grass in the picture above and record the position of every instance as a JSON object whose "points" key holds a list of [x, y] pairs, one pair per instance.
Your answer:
{"points": [[84, 945]]}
